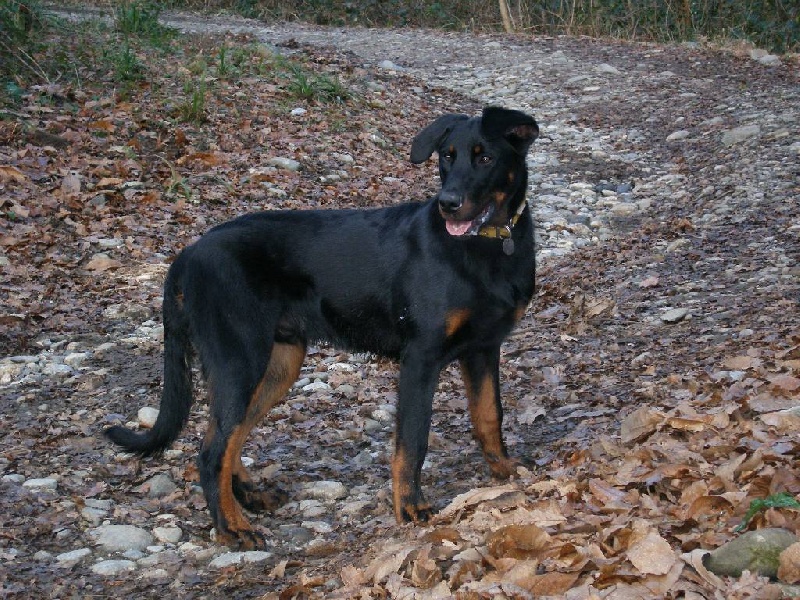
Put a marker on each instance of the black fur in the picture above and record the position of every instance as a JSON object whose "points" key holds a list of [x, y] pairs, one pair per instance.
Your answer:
{"points": [[396, 281]]}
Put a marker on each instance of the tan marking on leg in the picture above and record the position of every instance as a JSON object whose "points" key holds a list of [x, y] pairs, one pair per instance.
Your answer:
{"points": [[486, 424], [512, 175], [455, 320], [282, 371], [400, 482], [519, 312]]}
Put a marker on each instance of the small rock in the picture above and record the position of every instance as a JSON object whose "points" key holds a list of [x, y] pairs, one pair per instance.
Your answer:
{"points": [[316, 386], [327, 490], [770, 60], [605, 68], [674, 315], [168, 535], [102, 262], [160, 485], [57, 370], [757, 53], [755, 551], [70, 558], [284, 163], [46, 483], [9, 371], [678, 135], [147, 416], [109, 568], [389, 66], [230, 559], [740, 134], [298, 112], [120, 538], [13, 478], [624, 209], [75, 359]]}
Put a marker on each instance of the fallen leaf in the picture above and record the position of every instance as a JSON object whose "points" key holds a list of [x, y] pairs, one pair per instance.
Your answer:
{"points": [[102, 262], [789, 569], [741, 363], [649, 282], [519, 541], [785, 382], [640, 423], [8, 173], [783, 420], [475, 496], [652, 554]]}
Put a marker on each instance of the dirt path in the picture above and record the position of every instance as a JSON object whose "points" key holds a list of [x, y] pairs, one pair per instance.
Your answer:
{"points": [[666, 191]]}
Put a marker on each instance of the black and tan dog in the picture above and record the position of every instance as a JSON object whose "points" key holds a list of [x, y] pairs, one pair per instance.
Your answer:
{"points": [[423, 283]]}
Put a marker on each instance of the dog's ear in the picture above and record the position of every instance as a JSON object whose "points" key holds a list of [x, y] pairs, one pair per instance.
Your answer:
{"points": [[428, 140], [519, 129]]}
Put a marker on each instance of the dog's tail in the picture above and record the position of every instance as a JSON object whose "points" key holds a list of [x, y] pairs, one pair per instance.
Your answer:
{"points": [[176, 397]]}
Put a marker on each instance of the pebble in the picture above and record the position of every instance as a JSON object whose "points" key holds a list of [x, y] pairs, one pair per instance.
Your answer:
{"points": [[674, 315], [109, 568], [326, 490], [45, 483], [147, 416], [168, 535], [678, 135], [72, 557], [740, 134], [160, 485], [120, 538], [230, 559], [284, 163]]}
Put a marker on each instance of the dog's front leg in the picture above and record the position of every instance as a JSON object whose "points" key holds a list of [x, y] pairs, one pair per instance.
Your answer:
{"points": [[481, 374], [418, 376]]}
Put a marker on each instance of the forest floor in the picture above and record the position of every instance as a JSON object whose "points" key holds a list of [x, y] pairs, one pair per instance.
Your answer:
{"points": [[651, 385]]}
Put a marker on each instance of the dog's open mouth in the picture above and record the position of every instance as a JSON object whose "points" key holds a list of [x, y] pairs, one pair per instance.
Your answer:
{"points": [[459, 228]]}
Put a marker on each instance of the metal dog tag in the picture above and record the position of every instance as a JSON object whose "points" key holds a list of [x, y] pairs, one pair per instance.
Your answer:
{"points": [[508, 246]]}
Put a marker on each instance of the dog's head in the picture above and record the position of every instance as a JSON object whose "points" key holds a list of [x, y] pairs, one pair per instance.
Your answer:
{"points": [[481, 164]]}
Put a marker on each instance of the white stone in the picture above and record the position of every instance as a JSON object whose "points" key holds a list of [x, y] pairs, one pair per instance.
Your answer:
{"points": [[230, 559], [147, 416], [327, 490], [282, 162], [73, 556], [168, 535], [674, 315], [109, 568], [121, 538], [45, 483]]}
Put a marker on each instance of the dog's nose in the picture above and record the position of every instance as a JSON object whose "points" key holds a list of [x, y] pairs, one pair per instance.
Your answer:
{"points": [[450, 202]]}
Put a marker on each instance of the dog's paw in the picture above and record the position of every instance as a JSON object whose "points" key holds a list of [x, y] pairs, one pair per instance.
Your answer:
{"points": [[241, 539], [504, 467], [259, 500], [415, 512]]}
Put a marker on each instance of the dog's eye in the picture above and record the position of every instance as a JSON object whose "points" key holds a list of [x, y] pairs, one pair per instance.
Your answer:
{"points": [[447, 156], [484, 159]]}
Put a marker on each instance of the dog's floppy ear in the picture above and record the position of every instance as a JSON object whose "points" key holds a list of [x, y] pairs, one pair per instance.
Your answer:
{"points": [[519, 129], [427, 140]]}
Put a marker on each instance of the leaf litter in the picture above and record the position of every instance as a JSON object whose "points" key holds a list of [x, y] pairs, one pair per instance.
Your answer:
{"points": [[644, 443]]}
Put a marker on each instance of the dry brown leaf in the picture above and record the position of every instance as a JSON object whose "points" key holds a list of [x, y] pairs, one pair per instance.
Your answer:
{"points": [[8, 173], [783, 420], [353, 576], [102, 125], [769, 402], [683, 424], [102, 262], [475, 496], [741, 363], [659, 585], [652, 554], [707, 506], [640, 423], [789, 569], [649, 282], [695, 559], [71, 184], [519, 541], [785, 382], [110, 182], [390, 561]]}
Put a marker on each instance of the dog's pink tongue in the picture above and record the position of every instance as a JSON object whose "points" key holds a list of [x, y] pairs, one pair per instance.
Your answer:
{"points": [[457, 227]]}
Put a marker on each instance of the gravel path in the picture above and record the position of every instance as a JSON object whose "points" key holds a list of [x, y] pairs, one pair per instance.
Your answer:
{"points": [[626, 128]]}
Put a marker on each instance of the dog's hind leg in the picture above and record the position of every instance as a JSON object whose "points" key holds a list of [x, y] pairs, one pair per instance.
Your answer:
{"points": [[238, 402]]}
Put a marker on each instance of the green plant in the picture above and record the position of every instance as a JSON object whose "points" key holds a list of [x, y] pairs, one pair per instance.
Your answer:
{"points": [[782, 500], [323, 88], [20, 27], [194, 109], [125, 65], [140, 18]]}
